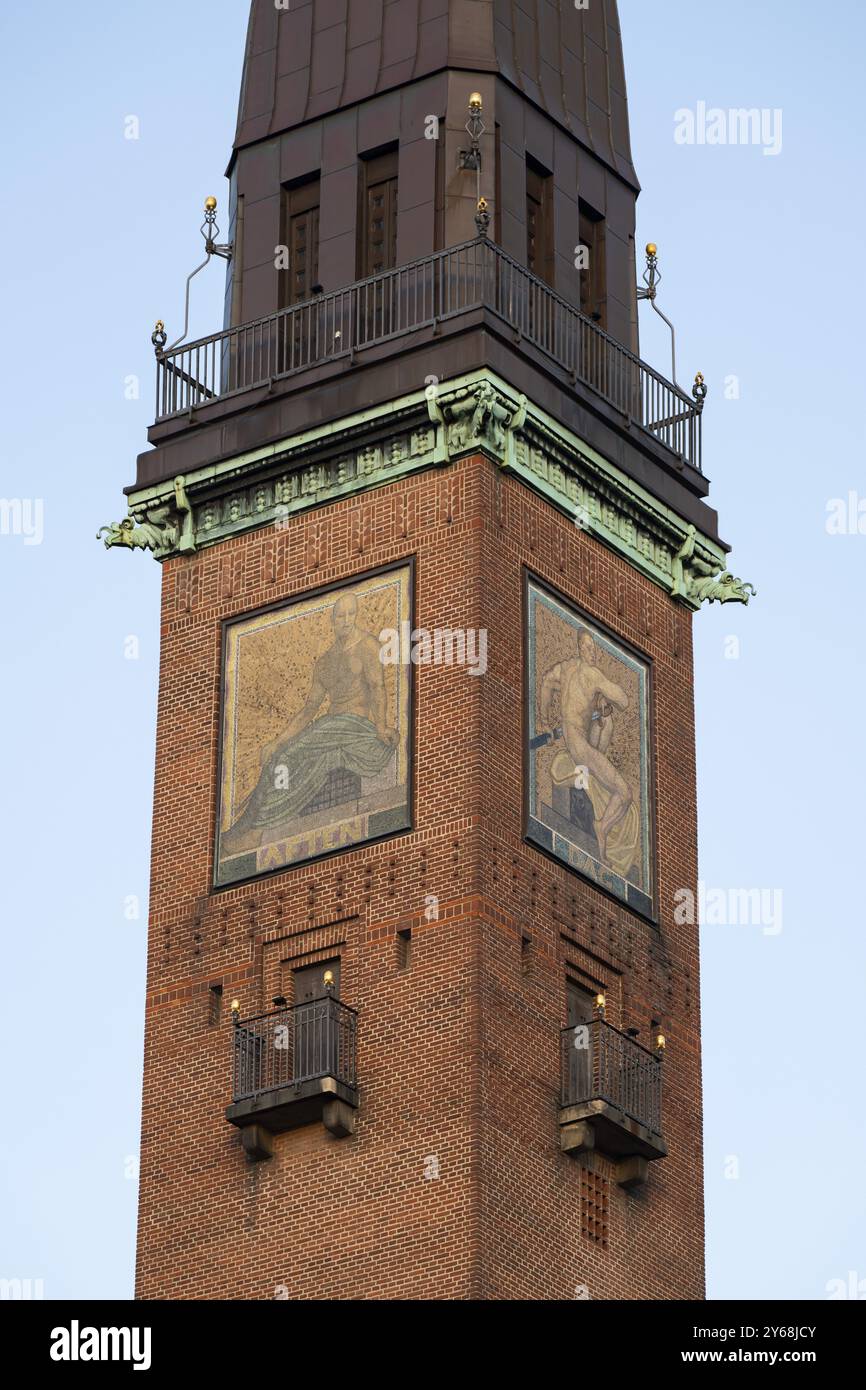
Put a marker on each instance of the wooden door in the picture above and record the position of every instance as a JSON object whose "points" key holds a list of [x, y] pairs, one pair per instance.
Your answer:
{"points": [[316, 1026], [378, 244], [309, 982], [581, 1011], [593, 279], [300, 235]]}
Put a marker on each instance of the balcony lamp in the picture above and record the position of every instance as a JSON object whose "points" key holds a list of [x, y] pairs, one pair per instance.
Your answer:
{"points": [[210, 231], [475, 128]]}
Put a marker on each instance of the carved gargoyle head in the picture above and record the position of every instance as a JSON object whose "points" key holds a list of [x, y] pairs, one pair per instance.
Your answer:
{"points": [[118, 533]]}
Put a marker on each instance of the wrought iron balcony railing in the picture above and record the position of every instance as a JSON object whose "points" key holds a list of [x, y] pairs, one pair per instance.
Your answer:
{"points": [[291, 1046], [474, 275], [601, 1064]]}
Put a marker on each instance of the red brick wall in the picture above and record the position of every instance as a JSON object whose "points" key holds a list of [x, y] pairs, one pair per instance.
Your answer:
{"points": [[458, 1054]]}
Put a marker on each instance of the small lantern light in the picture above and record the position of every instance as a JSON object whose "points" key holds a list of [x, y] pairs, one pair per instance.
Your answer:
{"points": [[475, 128], [209, 231]]}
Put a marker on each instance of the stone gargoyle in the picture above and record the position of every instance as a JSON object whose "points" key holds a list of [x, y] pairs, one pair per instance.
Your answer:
{"points": [[698, 582], [163, 529]]}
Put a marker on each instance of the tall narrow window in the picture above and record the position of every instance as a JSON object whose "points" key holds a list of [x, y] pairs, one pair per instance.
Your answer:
{"points": [[539, 222], [404, 949], [439, 197], [300, 234], [379, 214], [497, 185], [593, 276]]}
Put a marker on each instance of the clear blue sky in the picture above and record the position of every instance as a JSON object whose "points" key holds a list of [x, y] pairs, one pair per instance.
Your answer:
{"points": [[762, 262]]}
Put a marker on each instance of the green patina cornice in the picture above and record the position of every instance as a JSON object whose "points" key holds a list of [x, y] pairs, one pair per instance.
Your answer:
{"points": [[429, 428]]}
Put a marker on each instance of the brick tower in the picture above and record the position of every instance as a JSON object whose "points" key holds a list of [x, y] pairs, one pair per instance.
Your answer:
{"points": [[423, 1016]]}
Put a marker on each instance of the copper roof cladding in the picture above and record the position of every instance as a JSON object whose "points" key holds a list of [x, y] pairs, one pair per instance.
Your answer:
{"points": [[320, 55]]}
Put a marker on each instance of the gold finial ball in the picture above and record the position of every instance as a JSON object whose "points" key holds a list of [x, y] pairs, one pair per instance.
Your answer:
{"points": [[652, 249], [475, 103], [329, 977], [159, 326], [210, 204]]}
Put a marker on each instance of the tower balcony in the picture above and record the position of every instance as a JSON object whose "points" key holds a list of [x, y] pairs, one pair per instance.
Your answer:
{"points": [[293, 1066], [472, 284], [611, 1099]]}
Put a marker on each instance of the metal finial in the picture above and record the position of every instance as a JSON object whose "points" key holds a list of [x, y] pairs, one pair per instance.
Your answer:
{"points": [[699, 390], [651, 276], [482, 217], [158, 337], [210, 231]]}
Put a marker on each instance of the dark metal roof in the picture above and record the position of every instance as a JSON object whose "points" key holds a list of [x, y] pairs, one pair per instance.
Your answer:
{"points": [[320, 55]]}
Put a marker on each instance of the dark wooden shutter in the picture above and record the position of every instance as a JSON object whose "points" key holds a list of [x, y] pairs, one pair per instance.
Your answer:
{"points": [[578, 1080], [580, 1004], [380, 214], [301, 236], [593, 281], [539, 224]]}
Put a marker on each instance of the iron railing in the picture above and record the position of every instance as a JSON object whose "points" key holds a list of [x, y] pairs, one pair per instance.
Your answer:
{"points": [[600, 1063], [474, 275], [291, 1045]]}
